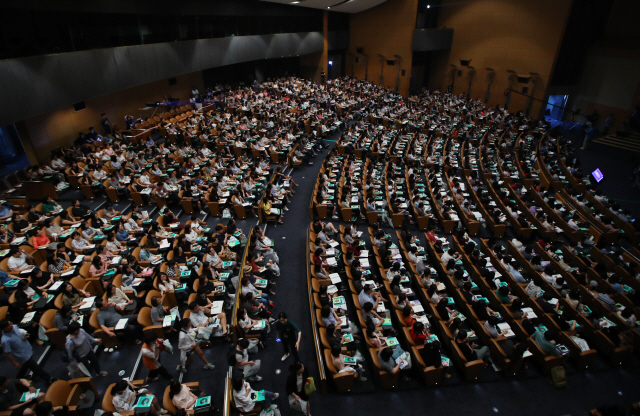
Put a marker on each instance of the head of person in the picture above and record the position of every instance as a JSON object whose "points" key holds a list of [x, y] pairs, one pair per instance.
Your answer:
{"points": [[119, 387], [243, 343], [386, 354], [237, 383], [418, 328], [282, 317], [73, 328], [296, 367], [195, 307], [6, 326], [174, 388]]}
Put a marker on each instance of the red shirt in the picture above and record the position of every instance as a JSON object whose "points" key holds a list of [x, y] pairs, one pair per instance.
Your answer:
{"points": [[40, 241], [419, 339]]}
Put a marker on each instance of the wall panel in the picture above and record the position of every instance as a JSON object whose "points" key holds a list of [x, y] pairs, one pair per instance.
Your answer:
{"points": [[36, 85]]}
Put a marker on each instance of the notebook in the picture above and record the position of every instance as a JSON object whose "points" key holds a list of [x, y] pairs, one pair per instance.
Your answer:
{"points": [[167, 321], [257, 396], [28, 396], [122, 324]]}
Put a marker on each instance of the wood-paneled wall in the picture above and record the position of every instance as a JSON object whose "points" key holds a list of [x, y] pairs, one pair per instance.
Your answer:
{"points": [[386, 29], [61, 127], [523, 36]]}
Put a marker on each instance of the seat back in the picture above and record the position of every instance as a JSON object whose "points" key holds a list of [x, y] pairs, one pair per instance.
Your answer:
{"points": [[59, 393], [343, 381], [107, 399], [93, 319], [388, 380], [151, 294], [144, 317]]}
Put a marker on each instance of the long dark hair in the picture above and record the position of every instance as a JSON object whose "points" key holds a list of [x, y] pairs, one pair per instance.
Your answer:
{"points": [[174, 388], [293, 368]]}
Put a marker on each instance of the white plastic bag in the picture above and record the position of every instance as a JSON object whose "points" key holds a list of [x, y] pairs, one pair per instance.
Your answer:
{"points": [[41, 334], [297, 405], [252, 370]]}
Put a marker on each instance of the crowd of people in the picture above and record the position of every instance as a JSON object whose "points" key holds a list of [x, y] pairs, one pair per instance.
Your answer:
{"points": [[401, 159]]}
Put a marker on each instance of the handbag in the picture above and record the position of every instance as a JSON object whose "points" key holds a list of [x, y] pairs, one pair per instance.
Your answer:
{"points": [[309, 386]]}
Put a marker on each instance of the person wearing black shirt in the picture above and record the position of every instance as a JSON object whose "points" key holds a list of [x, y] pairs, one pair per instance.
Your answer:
{"points": [[470, 350], [544, 304], [298, 370], [431, 356], [78, 210], [466, 292], [290, 335], [106, 125], [34, 216], [19, 223], [25, 299]]}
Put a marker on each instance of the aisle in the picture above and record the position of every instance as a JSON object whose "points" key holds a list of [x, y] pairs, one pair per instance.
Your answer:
{"points": [[291, 286]]}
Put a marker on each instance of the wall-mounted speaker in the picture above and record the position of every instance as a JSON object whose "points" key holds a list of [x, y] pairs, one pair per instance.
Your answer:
{"points": [[173, 81], [390, 62], [359, 50], [357, 59], [403, 72], [459, 72], [79, 106], [524, 79], [525, 90]]}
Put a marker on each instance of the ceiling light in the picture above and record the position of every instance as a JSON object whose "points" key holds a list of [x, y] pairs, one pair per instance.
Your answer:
{"points": [[428, 6], [295, 2]]}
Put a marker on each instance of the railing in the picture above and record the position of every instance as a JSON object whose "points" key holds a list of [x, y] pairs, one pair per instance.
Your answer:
{"points": [[228, 395], [314, 326], [234, 313]]}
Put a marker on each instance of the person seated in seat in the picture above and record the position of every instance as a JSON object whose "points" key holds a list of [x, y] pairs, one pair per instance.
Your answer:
{"points": [[10, 393], [242, 396], [125, 396], [470, 350], [547, 342]]}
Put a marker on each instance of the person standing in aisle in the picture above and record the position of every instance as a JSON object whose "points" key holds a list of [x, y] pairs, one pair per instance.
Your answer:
{"points": [[290, 335]]}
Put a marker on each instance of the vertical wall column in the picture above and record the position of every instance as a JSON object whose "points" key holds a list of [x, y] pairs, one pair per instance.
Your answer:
{"points": [[325, 50]]}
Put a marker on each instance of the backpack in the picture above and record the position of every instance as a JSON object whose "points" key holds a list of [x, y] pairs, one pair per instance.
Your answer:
{"points": [[558, 377]]}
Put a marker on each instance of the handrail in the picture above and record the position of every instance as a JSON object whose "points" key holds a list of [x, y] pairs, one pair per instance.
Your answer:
{"points": [[321, 369], [234, 317], [227, 395]]}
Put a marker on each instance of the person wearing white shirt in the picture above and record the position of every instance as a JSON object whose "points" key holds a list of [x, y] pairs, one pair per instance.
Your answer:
{"points": [[58, 163], [144, 179], [18, 260], [200, 320], [447, 255], [125, 399], [242, 393], [187, 347], [190, 234], [99, 174]]}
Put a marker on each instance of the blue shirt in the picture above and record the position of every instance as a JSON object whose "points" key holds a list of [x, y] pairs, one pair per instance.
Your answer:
{"points": [[19, 348], [122, 235], [363, 298], [4, 211], [4, 277]]}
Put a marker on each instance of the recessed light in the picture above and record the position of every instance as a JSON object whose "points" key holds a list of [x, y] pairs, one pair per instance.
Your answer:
{"points": [[295, 2]]}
